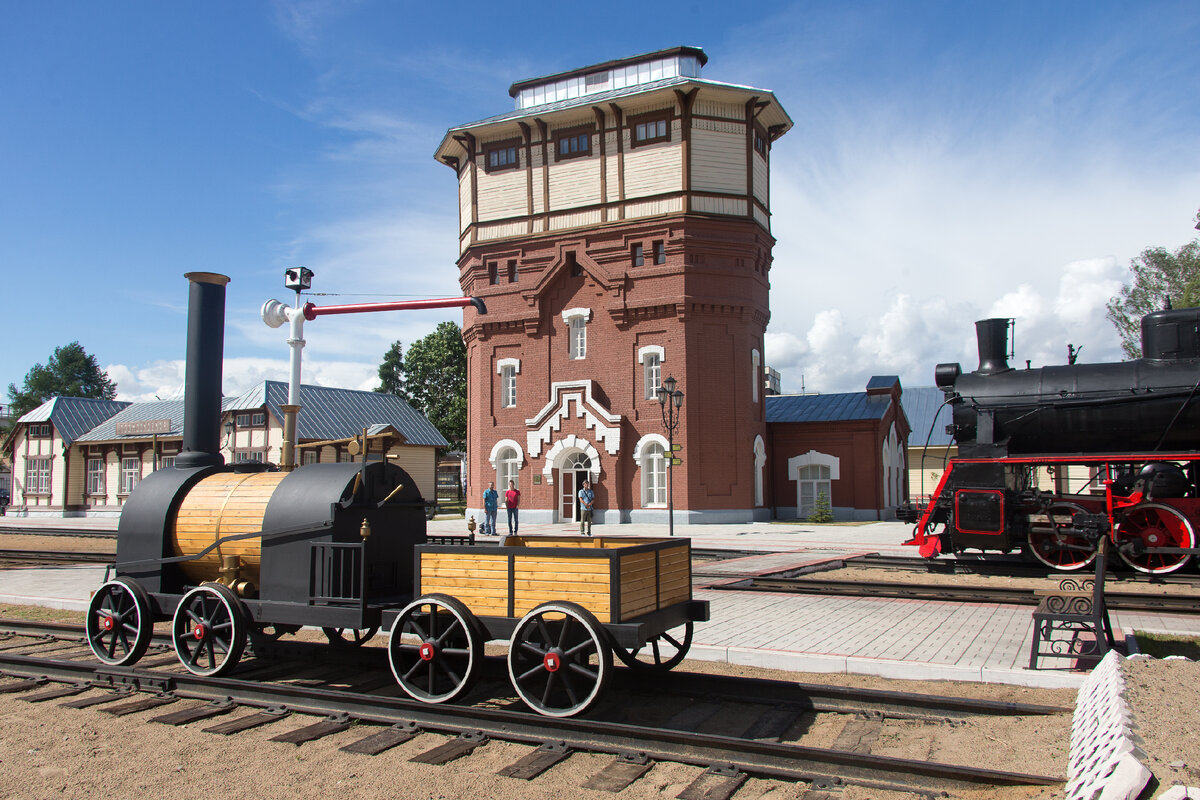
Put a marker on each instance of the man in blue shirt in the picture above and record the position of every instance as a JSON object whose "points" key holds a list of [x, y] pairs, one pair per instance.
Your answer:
{"points": [[586, 498], [490, 500]]}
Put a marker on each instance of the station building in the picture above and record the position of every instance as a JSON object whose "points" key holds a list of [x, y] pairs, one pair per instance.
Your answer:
{"points": [[617, 223], [78, 457]]}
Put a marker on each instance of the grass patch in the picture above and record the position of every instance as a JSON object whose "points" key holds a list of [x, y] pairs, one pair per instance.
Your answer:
{"points": [[39, 614], [1161, 645]]}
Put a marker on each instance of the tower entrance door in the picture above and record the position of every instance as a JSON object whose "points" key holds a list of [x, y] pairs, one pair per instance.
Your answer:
{"points": [[571, 475]]}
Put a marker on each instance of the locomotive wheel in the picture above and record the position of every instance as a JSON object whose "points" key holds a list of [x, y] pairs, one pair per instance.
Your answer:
{"points": [[350, 637], [1059, 550], [559, 659], [436, 649], [209, 630], [650, 655], [1154, 525], [119, 624]]}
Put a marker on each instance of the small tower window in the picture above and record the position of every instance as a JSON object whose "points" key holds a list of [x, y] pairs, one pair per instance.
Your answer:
{"points": [[660, 252], [493, 273], [501, 156], [637, 255], [651, 129], [512, 271]]}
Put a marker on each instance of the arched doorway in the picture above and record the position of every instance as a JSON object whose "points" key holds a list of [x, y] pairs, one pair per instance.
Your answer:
{"points": [[574, 468]]}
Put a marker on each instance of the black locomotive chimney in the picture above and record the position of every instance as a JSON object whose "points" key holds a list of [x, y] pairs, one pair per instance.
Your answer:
{"points": [[992, 335], [202, 378]]}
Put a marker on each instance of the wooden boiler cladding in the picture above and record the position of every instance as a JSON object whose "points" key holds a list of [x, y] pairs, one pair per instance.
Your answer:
{"points": [[225, 504]]}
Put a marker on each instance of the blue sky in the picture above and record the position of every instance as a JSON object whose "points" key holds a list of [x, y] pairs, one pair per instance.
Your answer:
{"points": [[950, 161]]}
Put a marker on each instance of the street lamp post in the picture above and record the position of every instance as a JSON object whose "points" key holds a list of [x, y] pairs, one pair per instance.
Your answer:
{"points": [[670, 401]]}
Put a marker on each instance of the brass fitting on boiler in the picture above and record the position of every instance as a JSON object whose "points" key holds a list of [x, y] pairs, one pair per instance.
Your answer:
{"points": [[364, 530]]}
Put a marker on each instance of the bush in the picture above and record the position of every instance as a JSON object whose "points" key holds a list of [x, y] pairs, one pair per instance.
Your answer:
{"points": [[822, 512]]}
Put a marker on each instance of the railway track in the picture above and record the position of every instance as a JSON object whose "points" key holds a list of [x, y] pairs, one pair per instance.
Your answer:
{"points": [[55, 557], [1005, 567], [1120, 601], [331, 689]]}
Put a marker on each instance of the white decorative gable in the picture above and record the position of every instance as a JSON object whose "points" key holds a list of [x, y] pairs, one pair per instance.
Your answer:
{"points": [[573, 399]]}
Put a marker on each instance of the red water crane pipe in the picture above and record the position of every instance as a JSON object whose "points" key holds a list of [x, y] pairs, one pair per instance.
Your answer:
{"points": [[311, 311]]}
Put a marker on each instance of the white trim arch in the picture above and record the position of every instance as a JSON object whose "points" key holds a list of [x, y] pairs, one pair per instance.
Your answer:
{"points": [[651, 350], [564, 447], [515, 363], [813, 457], [569, 313], [639, 448], [500, 445]]}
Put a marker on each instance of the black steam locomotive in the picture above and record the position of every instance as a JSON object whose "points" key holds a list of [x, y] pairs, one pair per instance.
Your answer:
{"points": [[1051, 459]]}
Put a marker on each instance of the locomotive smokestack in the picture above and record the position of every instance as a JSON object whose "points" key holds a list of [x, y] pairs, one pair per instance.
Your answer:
{"points": [[992, 335], [202, 381]]}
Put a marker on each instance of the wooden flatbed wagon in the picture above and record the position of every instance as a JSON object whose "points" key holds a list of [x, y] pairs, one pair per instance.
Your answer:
{"points": [[566, 604]]}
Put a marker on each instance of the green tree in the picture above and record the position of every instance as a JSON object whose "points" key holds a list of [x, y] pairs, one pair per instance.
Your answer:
{"points": [[391, 371], [435, 381], [821, 510], [70, 372], [1158, 275]]}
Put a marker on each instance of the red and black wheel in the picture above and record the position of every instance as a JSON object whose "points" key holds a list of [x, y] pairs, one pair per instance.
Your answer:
{"points": [[209, 630], [559, 659], [1151, 525], [436, 649], [119, 624], [1056, 546]]}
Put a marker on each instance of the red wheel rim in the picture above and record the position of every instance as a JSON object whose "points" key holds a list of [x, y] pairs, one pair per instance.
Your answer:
{"points": [[552, 662], [107, 623], [426, 652], [198, 631]]}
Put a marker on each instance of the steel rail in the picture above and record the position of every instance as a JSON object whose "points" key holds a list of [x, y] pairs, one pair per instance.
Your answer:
{"points": [[1005, 567], [40, 530], [755, 757], [1119, 601], [56, 556]]}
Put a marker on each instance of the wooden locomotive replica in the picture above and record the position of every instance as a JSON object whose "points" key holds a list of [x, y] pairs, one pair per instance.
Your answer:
{"points": [[227, 552], [1132, 427]]}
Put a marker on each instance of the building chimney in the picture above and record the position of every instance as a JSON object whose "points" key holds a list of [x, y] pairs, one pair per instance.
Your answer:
{"points": [[202, 381]]}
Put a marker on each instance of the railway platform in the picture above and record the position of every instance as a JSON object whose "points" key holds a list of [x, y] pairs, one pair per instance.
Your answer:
{"points": [[889, 637]]}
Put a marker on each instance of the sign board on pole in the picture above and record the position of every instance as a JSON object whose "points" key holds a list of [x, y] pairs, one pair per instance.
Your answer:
{"points": [[675, 462], [676, 447], [146, 427]]}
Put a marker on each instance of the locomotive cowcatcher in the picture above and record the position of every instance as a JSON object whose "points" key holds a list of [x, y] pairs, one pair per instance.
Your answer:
{"points": [[1051, 459], [246, 553]]}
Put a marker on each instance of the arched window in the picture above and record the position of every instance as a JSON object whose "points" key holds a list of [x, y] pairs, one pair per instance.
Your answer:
{"points": [[651, 358], [508, 368], [755, 374], [508, 465], [577, 320], [760, 459], [654, 475]]}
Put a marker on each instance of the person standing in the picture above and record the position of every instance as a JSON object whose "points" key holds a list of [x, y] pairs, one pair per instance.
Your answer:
{"points": [[491, 499], [512, 500], [586, 498]]}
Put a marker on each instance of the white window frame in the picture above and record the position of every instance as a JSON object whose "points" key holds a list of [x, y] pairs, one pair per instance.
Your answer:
{"points": [[577, 320], [256, 456], [508, 369], [310, 456], [166, 461], [650, 455], [95, 476], [812, 458], [131, 473], [651, 358], [37, 475]]}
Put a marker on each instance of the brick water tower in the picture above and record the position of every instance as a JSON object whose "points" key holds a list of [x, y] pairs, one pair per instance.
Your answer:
{"points": [[617, 222]]}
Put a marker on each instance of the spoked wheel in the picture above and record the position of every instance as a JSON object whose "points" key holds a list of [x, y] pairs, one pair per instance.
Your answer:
{"points": [[350, 637], [119, 624], [559, 659], [661, 653], [1058, 548], [209, 630], [436, 649], [1154, 525]]}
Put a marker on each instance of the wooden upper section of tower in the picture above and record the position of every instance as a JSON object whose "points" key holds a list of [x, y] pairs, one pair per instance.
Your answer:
{"points": [[624, 140]]}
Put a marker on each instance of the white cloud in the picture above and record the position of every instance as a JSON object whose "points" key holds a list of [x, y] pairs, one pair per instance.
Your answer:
{"points": [[164, 380]]}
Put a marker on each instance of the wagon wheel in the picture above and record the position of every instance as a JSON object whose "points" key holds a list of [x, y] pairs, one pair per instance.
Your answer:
{"points": [[559, 659], [119, 623], [1154, 525], [209, 630], [350, 637], [650, 656], [436, 649], [1058, 549]]}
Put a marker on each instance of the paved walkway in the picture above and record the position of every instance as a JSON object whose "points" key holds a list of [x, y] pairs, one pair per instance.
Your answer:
{"points": [[812, 633]]}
